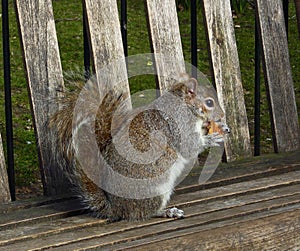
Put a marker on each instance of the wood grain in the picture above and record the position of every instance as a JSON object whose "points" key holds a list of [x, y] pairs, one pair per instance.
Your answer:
{"points": [[106, 43], [278, 76], [275, 232], [4, 187], [165, 40], [227, 76], [264, 201], [44, 75]]}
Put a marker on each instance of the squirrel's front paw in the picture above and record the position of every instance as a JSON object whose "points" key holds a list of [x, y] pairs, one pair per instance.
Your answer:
{"points": [[174, 213], [214, 139]]}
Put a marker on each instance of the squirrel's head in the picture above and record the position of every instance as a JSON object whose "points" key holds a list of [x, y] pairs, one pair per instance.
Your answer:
{"points": [[201, 99]]}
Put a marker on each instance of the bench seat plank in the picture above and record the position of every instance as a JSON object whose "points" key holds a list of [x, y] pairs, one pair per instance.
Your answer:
{"points": [[87, 224], [207, 209], [280, 231], [107, 236], [37, 214], [246, 187]]}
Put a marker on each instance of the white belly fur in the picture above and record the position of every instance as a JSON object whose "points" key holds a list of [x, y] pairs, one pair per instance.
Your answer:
{"points": [[177, 168], [167, 188]]}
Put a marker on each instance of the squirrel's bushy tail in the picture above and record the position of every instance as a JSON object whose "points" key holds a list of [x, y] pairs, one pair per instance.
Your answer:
{"points": [[62, 124]]}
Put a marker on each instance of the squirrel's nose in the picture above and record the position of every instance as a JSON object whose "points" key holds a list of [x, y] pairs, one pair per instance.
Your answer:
{"points": [[225, 128]]}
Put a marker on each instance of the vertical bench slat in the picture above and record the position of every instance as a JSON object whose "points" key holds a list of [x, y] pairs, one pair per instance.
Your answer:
{"points": [[4, 187], [106, 42], [44, 75], [166, 40], [278, 76], [227, 76]]}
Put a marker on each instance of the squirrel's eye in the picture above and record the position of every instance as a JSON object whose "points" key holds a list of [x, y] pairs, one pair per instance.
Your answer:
{"points": [[210, 103]]}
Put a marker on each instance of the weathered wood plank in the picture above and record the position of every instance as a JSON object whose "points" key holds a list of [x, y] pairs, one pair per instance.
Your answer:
{"points": [[278, 76], [278, 232], [32, 203], [236, 189], [227, 76], [44, 75], [166, 41], [106, 44], [108, 236], [39, 214], [202, 215], [61, 226], [236, 179], [56, 224], [51, 227], [4, 187]]}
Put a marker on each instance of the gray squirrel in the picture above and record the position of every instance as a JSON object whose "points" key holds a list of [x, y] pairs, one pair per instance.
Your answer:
{"points": [[168, 134]]}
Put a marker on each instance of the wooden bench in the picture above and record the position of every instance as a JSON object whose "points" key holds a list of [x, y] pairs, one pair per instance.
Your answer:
{"points": [[248, 205], [252, 204]]}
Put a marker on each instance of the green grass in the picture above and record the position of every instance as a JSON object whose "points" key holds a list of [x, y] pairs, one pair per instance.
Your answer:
{"points": [[69, 29]]}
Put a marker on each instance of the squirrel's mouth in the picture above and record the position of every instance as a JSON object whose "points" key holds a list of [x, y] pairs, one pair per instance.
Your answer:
{"points": [[216, 127]]}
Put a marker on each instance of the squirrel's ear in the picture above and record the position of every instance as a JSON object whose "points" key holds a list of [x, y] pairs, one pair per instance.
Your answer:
{"points": [[192, 85]]}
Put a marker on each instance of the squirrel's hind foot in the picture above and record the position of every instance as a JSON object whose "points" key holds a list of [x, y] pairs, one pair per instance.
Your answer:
{"points": [[173, 212]]}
